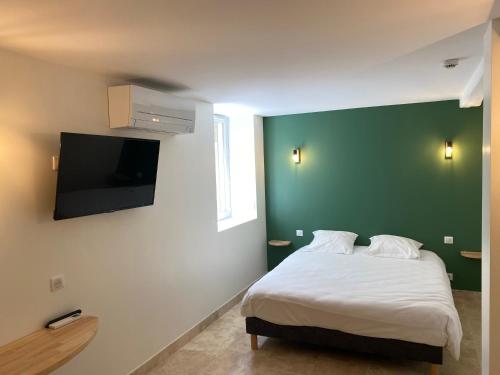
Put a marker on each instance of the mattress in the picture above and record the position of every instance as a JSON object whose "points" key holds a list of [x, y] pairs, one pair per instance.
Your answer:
{"points": [[401, 299]]}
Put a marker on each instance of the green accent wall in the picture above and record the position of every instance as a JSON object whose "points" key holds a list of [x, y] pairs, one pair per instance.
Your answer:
{"points": [[379, 170]]}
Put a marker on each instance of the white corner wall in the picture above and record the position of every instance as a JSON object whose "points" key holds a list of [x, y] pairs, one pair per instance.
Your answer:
{"points": [[150, 273], [491, 203]]}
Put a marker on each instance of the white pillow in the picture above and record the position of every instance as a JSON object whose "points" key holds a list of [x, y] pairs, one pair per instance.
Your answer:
{"points": [[394, 247], [331, 241]]}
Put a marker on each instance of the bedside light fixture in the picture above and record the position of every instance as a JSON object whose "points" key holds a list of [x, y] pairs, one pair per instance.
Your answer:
{"points": [[296, 155], [448, 150]]}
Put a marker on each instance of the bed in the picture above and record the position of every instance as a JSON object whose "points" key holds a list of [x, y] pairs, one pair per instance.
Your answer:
{"points": [[394, 307]]}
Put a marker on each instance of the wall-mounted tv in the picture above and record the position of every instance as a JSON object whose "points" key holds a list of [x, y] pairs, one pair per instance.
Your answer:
{"points": [[99, 174]]}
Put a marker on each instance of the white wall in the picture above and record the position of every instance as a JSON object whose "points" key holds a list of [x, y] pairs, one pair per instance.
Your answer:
{"points": [[148, 273], [491, 203]]}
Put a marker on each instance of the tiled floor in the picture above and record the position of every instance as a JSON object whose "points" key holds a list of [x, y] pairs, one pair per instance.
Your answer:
{"points": [[224, 348]]}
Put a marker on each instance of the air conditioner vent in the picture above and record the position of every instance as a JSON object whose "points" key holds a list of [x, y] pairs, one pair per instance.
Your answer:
{"points": [[136, 107]]}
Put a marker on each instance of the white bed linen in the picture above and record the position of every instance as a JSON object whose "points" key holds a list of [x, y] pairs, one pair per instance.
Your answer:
{"points": [[402, 299]]}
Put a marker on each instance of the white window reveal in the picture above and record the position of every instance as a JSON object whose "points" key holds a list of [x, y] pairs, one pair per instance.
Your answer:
{"points": [[235, 166]]}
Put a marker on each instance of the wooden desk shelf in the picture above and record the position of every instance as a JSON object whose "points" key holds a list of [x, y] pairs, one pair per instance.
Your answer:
{"points": [[46, 350], [471, 254], [279, 243]]}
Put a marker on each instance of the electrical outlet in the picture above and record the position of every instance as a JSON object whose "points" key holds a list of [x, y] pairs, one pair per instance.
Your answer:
{"points": [[450, 276], [299, 233], [57, 283], [448, 240]]}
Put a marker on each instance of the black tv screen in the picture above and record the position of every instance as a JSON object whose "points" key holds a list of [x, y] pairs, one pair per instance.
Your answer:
{"points": [[99, 174]]}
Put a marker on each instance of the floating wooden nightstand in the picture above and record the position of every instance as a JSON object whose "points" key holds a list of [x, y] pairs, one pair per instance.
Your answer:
{"points": [[279, 243], [471, 254], [47, 349]]}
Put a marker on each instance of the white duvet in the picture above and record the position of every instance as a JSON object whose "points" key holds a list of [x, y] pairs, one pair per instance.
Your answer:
{"points": [[400, 299]]}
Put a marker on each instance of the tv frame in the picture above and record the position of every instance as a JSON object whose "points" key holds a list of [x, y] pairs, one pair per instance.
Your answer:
{"points": [[58, 217]]}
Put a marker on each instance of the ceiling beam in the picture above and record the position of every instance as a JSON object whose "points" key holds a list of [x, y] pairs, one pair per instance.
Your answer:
{"points": [[472, 96]]}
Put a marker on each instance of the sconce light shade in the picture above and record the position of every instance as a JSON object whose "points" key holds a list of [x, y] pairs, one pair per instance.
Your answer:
{"points": [[448, 150], [296, 155]]}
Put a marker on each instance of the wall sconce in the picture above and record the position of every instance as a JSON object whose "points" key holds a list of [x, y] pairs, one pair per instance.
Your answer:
{"points": [[55, 163], [296, 155], [448, 150]]}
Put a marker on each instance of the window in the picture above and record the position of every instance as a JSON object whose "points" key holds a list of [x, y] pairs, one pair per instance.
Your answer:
{"points": [[234, 166], [222, 170]]}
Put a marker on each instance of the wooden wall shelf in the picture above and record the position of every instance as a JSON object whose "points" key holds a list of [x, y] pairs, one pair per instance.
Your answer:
{"points": [[279, 243], [471, 254], [45, 350]]}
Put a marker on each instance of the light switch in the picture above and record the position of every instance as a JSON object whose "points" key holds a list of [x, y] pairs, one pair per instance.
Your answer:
{"points": [[448, 240], [299, 233], [56, 283]]}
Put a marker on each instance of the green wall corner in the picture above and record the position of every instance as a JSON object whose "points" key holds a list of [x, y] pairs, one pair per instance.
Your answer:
{"points": [[379, 170]]}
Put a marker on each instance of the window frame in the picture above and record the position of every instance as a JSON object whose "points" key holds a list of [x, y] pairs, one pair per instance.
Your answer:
{"points": [[222, 167]]}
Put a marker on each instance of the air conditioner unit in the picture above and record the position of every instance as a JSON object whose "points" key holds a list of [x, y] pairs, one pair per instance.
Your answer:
{"points": [[136, 107]]}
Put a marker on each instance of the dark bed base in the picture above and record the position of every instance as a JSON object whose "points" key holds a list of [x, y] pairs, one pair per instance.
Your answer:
{"points": [[340, 340]]}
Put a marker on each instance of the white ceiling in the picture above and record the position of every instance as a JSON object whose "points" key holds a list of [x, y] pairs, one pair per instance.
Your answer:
{"points": [[276, 56]]}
